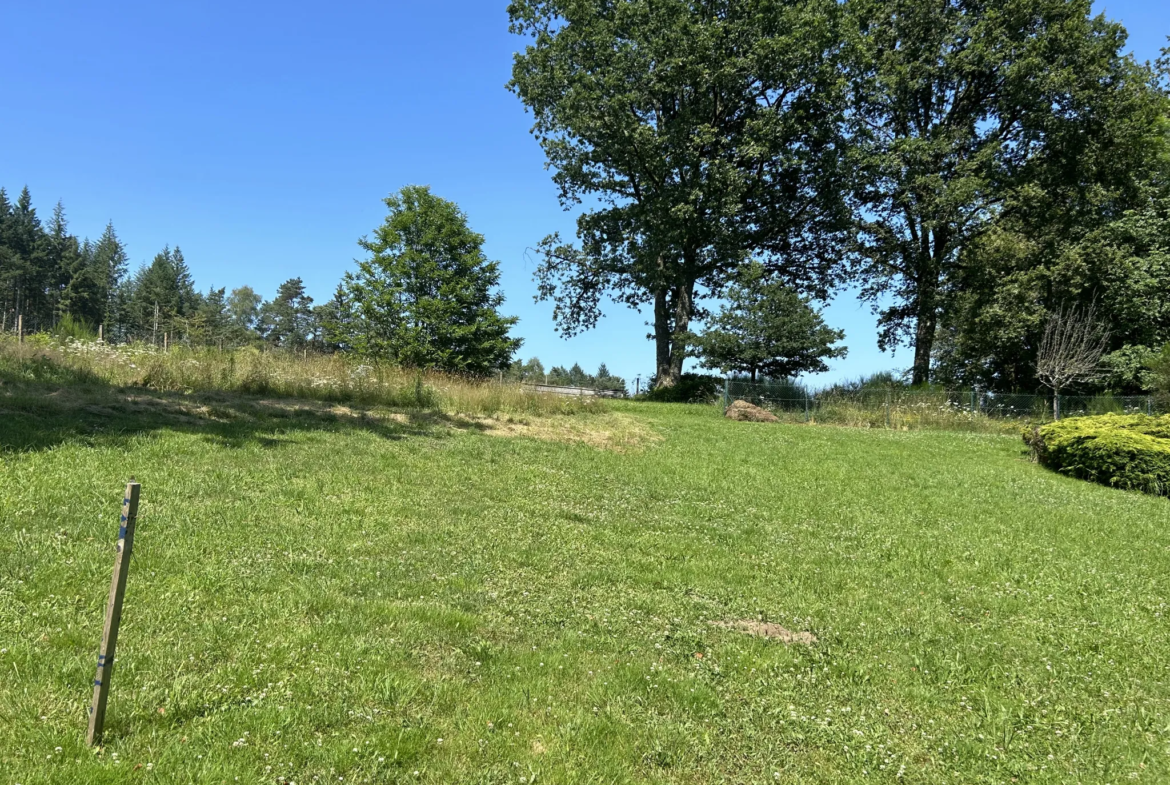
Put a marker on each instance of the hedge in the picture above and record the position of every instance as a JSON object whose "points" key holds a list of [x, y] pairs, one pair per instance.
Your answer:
{"points": [[1131, 452]]}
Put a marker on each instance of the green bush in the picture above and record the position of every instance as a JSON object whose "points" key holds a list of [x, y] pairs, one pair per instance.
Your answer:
{"points": [[690, 388], [1129, 452]]}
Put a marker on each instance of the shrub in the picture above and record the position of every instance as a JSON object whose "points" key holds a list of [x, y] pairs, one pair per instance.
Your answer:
{"points": [[690, 388], [1128, 452]]}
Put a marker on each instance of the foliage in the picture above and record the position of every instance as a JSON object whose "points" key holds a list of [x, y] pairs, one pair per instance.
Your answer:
{"points": [[1127, 452], [690, 388], [962, 111], [1159, 366], [765, 328], [1127, 369], [705, 133], [77, 329], [426, 297]]}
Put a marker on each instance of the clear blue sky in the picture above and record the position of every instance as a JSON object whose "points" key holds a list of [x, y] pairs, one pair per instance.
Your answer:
{"points": [[261, 137]]}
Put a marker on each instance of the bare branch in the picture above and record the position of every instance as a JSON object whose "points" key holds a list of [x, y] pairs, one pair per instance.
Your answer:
{"points": [[1071, 350]]}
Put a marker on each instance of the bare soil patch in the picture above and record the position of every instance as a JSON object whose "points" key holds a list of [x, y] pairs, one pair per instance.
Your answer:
{"points": [[762, 629]]}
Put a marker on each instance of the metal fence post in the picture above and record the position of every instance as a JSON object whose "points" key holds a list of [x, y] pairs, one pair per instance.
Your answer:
{"points": [[726, 393], [807, 416]]}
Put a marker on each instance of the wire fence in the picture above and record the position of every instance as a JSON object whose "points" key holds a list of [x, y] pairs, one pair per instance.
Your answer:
{"points": [[902, 408]]}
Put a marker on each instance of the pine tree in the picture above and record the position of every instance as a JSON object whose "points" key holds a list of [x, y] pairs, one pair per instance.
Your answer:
{"points": [[84, 293], [766, 329], [161, 297], [7, 265], [210, 324], [287, 321], [27, 269], [62, 259], [111, 263]]}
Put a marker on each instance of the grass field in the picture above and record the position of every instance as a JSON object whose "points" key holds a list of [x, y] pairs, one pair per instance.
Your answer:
{"points": [[328, 594]]}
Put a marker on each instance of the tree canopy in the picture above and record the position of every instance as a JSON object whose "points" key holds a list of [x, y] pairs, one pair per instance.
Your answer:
{"points": [[963, 111], [704, 132]]}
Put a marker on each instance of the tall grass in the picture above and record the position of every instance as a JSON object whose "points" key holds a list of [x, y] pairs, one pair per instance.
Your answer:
{"points": [[332, 378], [884, 401]]}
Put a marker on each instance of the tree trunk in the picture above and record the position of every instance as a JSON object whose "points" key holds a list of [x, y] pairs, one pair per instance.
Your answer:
{"points": [[662, 343], [683, 308], [923, 345], [926, 323]]}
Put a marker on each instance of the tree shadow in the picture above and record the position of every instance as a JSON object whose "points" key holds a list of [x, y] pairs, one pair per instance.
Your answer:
{"points": [[41, 413]]}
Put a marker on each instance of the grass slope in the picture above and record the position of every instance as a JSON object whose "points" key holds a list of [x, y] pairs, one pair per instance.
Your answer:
{"points": [[324, 598]]}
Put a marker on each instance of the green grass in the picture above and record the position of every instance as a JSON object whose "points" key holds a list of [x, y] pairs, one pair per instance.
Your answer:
{"points": [[326, 595]]}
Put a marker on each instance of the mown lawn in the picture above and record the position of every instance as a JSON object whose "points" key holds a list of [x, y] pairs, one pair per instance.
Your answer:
{"points": [[319, 596]]}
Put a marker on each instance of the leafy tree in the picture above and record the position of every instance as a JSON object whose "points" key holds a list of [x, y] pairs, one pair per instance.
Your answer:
{"points": [[243, 311], [426, 297], [706, 132], [1022, 269], [287, 321], [767, 329], [957, 105], [531, 371], [559, 376]]}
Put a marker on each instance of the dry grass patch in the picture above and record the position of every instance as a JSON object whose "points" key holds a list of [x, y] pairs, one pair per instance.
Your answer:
{"points": [[611, 431]]}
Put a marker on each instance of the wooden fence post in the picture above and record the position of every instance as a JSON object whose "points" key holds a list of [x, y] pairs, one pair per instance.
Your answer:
{"points": [[20, 328], [105, 660]]}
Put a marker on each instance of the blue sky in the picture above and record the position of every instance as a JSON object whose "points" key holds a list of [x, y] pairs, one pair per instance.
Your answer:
{"points": [[261, 137]]}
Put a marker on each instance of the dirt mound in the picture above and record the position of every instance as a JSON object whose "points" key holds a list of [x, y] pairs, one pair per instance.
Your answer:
{"points": [[746, 412], [765, 630]]}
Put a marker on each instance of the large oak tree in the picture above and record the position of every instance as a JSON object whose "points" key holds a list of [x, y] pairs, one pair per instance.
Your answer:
{"points": [[699, 133], [956, 106]]}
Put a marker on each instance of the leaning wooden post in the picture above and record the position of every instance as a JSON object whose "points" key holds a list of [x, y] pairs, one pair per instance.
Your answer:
{"points": [[105, 660]]}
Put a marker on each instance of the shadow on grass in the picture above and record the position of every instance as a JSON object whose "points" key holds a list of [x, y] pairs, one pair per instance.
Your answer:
{"points": [[38, 413]]}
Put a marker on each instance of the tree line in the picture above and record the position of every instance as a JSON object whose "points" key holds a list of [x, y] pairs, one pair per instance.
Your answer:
{"points": [[970, 166], [533, 372], [426, 296]]}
